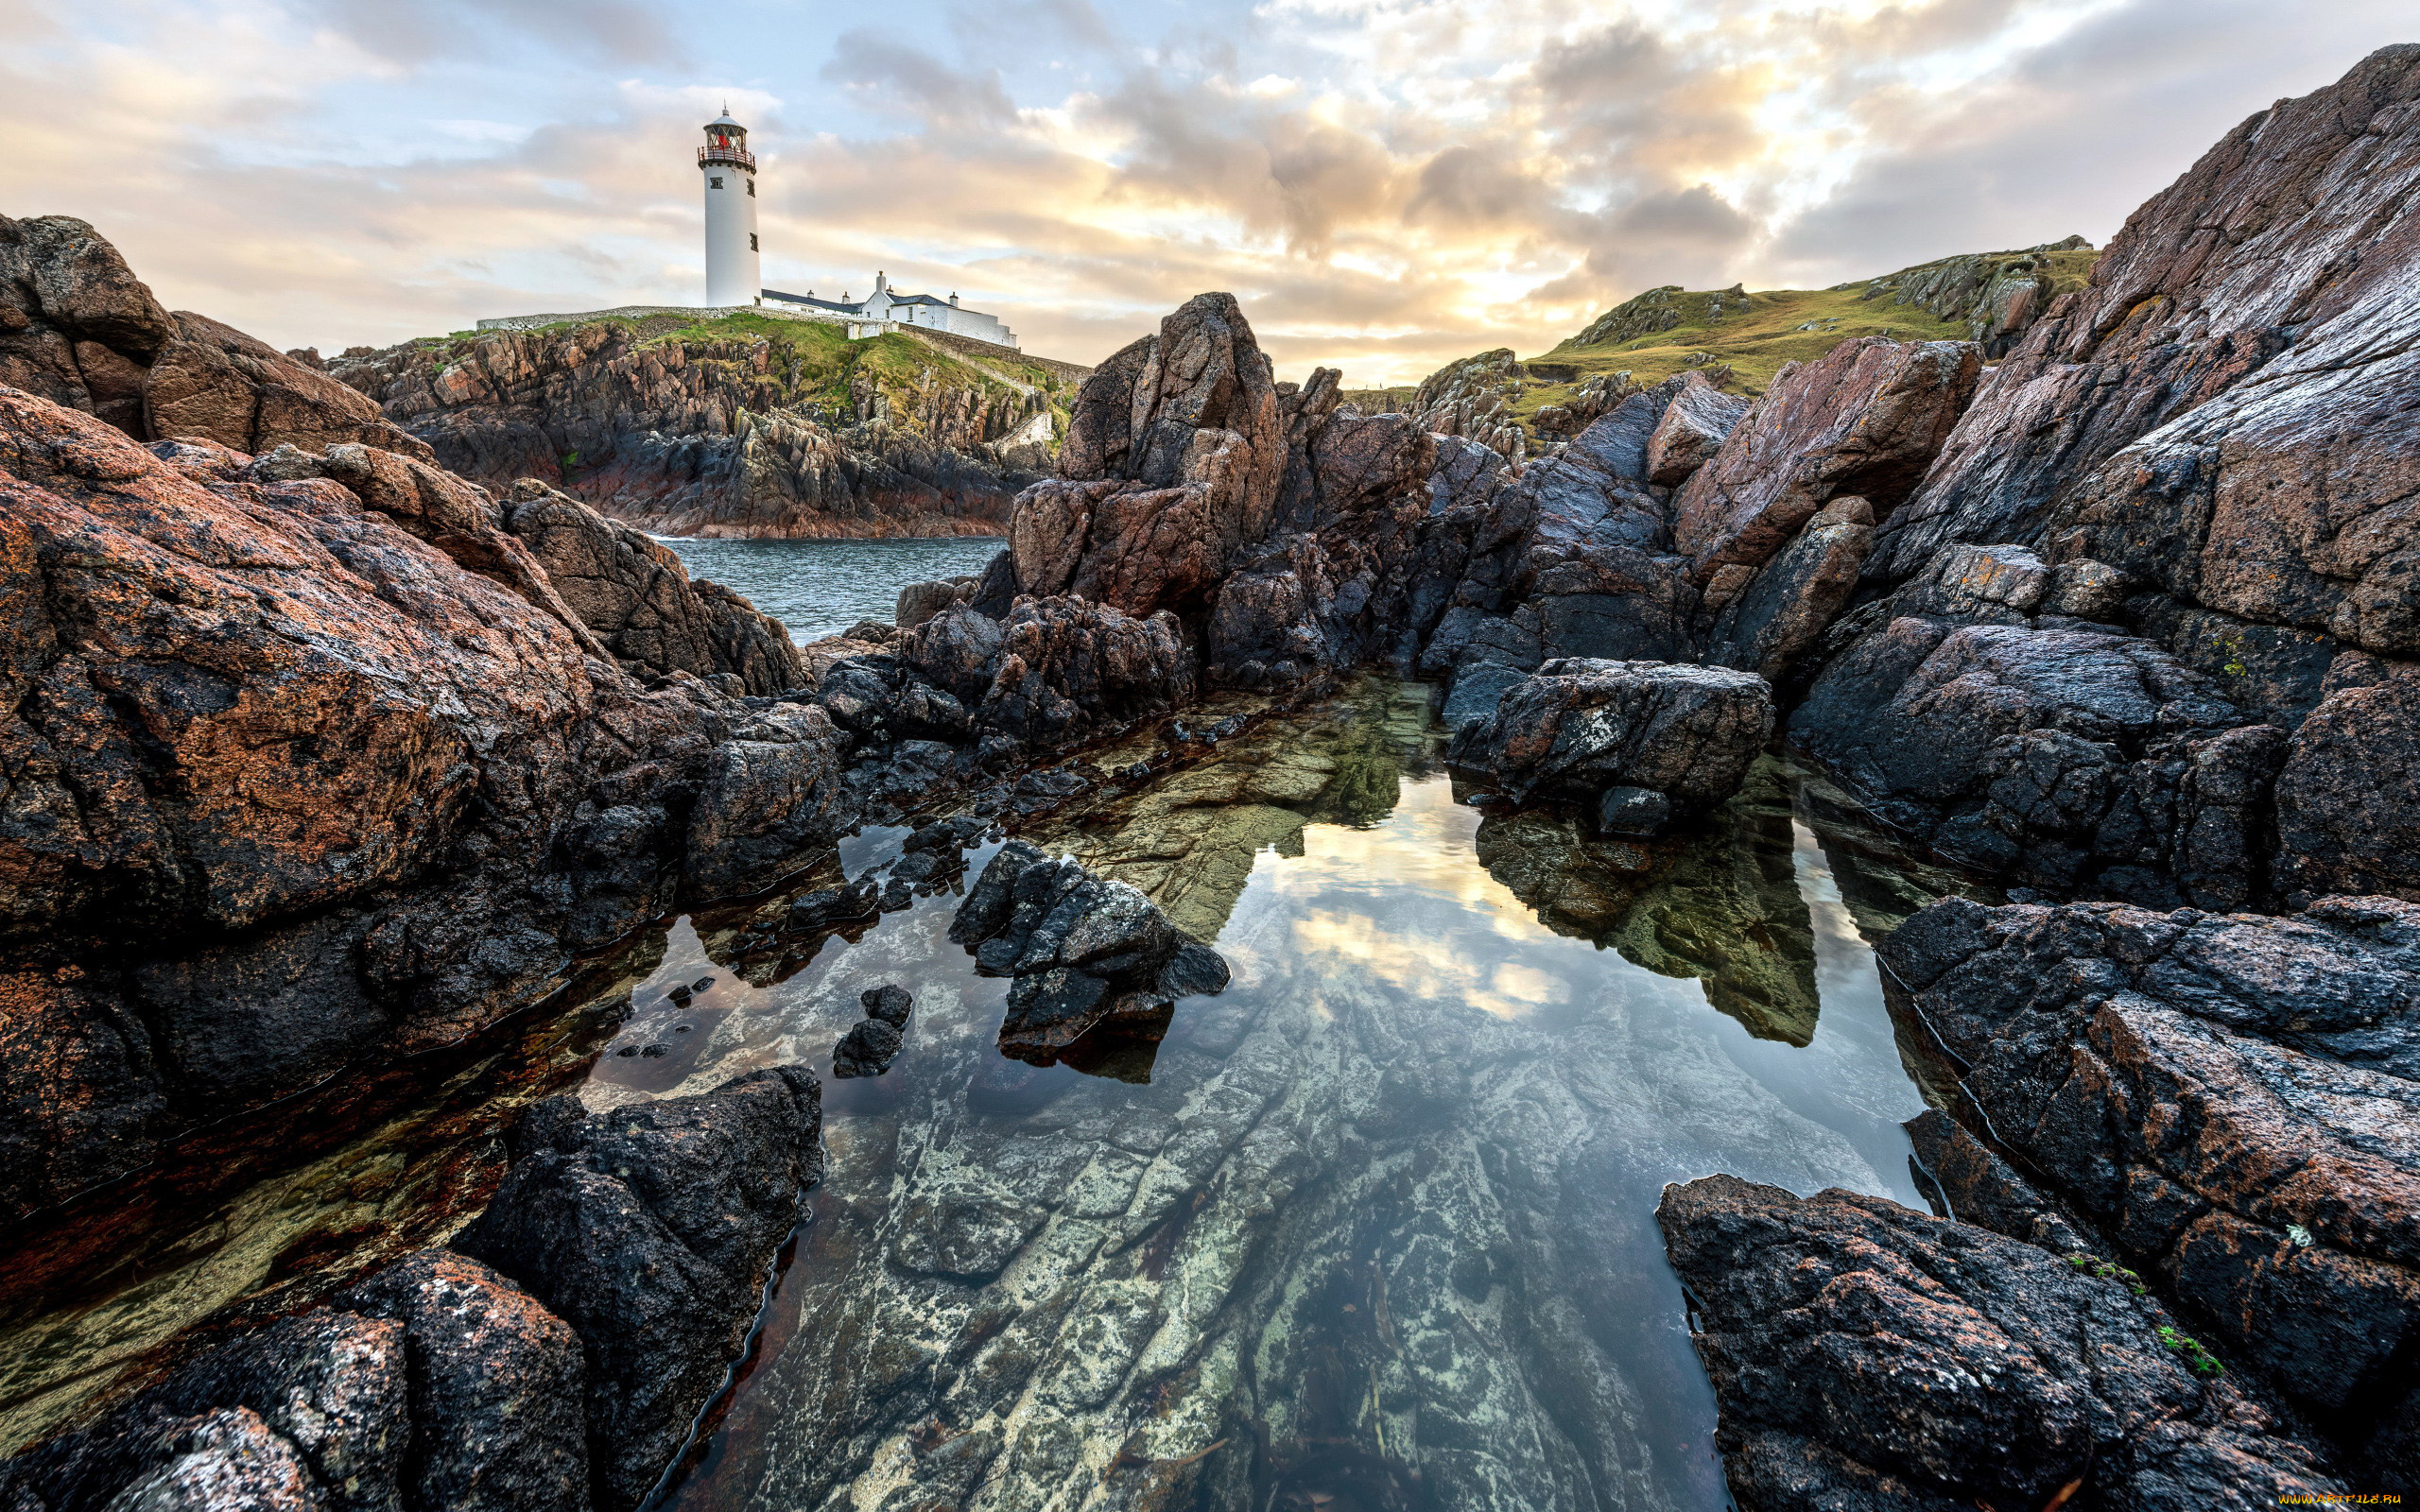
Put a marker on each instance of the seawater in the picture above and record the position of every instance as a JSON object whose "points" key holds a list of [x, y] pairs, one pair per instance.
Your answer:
{"points": [[820, 587], [1372, 1229]]}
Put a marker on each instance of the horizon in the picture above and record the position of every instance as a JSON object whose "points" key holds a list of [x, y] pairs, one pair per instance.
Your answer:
{"points": [[1385, 187]]}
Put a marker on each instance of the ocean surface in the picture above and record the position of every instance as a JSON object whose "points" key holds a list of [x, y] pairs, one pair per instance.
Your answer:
{"points": [[820, 587]]}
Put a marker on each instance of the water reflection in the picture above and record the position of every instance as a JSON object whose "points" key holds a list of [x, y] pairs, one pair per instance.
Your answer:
{"points": [[1372, 1228]]}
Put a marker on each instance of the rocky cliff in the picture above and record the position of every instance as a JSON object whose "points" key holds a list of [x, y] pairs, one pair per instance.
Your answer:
{"points": [[746, 426]]}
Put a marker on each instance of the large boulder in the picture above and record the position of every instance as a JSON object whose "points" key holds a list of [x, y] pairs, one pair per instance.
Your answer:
{"points": [[1580, 728], [1695, 423], [1866, 419], [77, 328], [1772, 615], [650, 1230], [1867, 1356], [2232, 1100], [1171, 465]]}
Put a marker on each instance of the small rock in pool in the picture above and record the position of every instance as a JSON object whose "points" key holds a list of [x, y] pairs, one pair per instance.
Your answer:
{"points": [[683, 1028], [627, 1050], [654, 1050], [867, 1050], [1196, 969], [680, 996], [890, 1002], [701, 983], [898, 895]]}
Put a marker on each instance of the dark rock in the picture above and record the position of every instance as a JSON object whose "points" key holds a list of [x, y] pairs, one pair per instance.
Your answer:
{"points": [[1195, 969], [2072, 760], [2229, 1098], [1082, 949], [1694, 425], [648, 1229], [830, 907], [770, 797], [1579, 727], [1867, 1356], [891, 1002], [1633, 811], [496, 1388], [867, 1050], [1777, 615], [311, 1411]]}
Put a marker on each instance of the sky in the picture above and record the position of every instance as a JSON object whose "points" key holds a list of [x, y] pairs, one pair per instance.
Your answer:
{"points": [[1386, 185]]}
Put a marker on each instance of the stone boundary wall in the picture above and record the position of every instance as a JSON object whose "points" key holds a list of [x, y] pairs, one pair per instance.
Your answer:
{"points": [[950, 341], [704, 312]]}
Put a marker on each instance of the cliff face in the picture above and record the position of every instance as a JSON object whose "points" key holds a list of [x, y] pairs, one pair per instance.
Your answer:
{"points": [[748, 425]]}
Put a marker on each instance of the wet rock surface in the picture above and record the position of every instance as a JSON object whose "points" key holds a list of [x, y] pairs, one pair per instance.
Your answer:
{"points": [[1866, 1355], [1578, 728], [1083, 950], [650, 1230], [2229, 1099]]}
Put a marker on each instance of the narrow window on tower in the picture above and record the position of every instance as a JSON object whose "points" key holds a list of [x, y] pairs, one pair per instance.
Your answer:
{"points": [[751, 241], [752, 188], [713, 180]]}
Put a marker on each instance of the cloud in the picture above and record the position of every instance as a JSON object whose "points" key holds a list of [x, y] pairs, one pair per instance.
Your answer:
{"points": [[1387, 184]]}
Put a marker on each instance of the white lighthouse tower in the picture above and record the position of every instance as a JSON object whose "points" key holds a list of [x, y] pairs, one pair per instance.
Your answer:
{"points": [[730, 171]]}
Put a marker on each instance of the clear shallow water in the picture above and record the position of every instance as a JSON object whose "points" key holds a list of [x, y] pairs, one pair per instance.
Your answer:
{"points": [[820, 587], [1372, 1230]]}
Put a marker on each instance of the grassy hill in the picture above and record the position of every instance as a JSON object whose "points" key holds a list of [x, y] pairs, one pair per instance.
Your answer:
{"points": [[1754, 334]]}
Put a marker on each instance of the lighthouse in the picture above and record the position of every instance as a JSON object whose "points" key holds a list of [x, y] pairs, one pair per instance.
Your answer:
{"points": [[730, 172]]}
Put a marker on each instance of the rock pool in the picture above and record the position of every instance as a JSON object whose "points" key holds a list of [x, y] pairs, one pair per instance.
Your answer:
{"points": [[1372, 1228]]}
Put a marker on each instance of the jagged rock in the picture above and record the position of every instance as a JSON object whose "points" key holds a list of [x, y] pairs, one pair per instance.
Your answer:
{"points": [[2230, 1099], [1864, 1355], [1081, 949], [77, 328], [639, 600], [755, 433], [648, 1229], [2348, 815], [919, 602], [1865, 420], [890, 1002], [440, 790], [1772, 615], [769, 796], [867, 1050], [1696, 422], [310, 1412], [1579, 727], [2065, 759], [496, 1388], [1588, 401], [1170, 467], [1471, 397]]}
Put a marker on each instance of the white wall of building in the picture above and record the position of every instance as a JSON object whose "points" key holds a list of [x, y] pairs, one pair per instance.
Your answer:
{"points": [[731, 254]]}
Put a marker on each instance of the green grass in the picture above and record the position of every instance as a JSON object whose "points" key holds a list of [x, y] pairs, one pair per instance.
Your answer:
{"points": [[1755, 341]]}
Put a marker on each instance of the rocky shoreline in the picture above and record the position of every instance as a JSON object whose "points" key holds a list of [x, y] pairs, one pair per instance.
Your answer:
{"points": [[320, 754]]}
